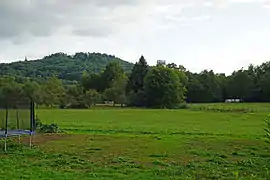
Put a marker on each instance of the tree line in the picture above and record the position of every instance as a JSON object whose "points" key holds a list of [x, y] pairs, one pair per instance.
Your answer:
{"points": [[68, 68], [160, 86]]}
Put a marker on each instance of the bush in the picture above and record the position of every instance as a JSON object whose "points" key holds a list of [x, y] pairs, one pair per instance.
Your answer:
{"points": [[46, 128], [77, 106], [49, 128], [38, 123], [183, 106]]}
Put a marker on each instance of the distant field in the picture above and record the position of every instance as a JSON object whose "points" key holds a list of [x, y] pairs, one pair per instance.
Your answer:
{"points": [[203, 142], [246, 107]]}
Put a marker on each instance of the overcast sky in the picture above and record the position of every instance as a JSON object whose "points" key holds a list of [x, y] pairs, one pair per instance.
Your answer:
{"points": [[222, 35]]}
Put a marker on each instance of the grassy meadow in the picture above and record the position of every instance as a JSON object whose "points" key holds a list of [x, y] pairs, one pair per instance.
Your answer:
{"points": [[205, 141]]}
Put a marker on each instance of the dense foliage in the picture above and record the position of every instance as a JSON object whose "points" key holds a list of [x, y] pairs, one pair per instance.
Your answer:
{"points": [[135, 85], [248, 85], [163, 88], [160, 86], [65, 67]]}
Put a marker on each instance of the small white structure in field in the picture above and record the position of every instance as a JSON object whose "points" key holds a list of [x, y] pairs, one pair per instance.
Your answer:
{"points": [[109, 102], [233, 100]]}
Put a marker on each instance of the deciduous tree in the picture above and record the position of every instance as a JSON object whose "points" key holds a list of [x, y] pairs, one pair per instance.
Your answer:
{"points": [[163, 88]]}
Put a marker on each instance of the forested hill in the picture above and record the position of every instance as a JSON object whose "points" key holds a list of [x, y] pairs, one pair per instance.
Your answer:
{"points": [[64, 66]]}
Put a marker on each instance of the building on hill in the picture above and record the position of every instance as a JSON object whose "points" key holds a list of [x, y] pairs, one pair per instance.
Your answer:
{"points": [[161, 63]]}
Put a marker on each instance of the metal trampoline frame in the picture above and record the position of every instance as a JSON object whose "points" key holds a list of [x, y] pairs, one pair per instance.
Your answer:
{"points": [[19, 132]]}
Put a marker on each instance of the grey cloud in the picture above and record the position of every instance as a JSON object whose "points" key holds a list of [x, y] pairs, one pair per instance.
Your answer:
{"points": [[43, 18], [26, 17], [96, 32], [19, 18], [114, 3]]}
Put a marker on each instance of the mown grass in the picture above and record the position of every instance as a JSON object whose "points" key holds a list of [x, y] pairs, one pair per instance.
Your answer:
{"points": [[140, 121], [143, 144]]}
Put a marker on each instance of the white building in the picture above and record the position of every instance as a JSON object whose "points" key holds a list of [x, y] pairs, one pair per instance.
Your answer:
{"points": [[233, 100]]}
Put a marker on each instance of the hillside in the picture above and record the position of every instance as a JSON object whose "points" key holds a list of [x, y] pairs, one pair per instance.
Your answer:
{"points": [[66, 67]]}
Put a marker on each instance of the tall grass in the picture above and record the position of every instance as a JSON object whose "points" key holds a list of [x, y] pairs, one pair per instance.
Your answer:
{"points": [[232, 107]]}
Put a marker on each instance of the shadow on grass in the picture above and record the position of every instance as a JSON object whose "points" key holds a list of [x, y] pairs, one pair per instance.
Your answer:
{"points": [[99, 131]]}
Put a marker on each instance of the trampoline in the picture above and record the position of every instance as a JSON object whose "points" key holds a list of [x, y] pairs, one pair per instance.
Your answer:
{"points": [[11, 133], [17, 118]]}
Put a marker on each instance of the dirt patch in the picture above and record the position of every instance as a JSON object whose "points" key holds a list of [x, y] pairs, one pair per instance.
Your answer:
{"points": [[44, 138]]}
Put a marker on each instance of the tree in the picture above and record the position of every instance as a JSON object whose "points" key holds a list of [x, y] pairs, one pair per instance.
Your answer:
{"points": [[239, 86], [172, 66], [136, 79], [52, 91], [264, 84], [74, 97], [10, 91], [135, 84], [110, 94], [92, 97], [111, 74], [212, 87], [92, 81], [195, 89], [163, 88], [117, 92], [31, 89], [204, 87], [180, 70]]}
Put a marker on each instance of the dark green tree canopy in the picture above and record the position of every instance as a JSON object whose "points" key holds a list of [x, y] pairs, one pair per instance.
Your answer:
{"points": [[112, 73], [163, 88], [239, 85], [136, 79], [66, 67], [204, 87]]}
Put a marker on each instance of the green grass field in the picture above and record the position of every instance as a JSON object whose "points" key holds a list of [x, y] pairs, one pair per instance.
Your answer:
{"points": [[208, 141]]}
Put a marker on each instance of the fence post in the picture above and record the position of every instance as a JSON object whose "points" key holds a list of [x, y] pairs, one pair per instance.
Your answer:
{"points": [[6, 143], [6, 128]]}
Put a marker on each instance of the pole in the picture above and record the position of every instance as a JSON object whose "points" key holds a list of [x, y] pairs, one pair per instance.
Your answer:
{"points": [[6, 129], [31, 122], [3, 124], [30, 141], [32, 116], [18, 123], [6, 125], [6, 143]]}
